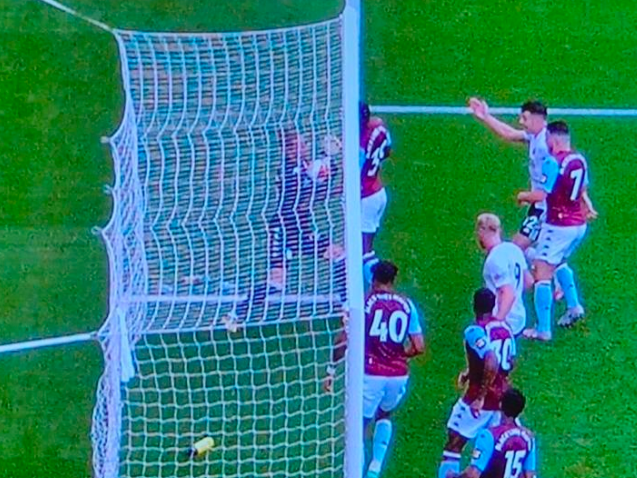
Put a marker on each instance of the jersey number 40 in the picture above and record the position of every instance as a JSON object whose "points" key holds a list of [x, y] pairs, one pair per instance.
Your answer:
{"points": [[393, 328]]}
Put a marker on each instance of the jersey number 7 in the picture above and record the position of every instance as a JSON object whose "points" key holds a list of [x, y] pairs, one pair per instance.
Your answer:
{"points": [[395, 328]]}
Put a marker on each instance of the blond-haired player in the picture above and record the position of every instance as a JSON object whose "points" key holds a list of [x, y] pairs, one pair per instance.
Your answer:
{"points": [[505, 272]]}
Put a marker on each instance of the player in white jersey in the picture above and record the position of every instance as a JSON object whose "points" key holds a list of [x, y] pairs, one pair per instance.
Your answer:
{"points": [[505, 272], [533, 121]]}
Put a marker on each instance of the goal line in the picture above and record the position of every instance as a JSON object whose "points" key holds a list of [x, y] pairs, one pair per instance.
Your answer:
{"points": [[506, 110]]}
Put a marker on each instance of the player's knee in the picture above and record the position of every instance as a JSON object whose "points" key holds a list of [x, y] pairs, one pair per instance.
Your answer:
{"points": [[455, 442], [382, 415], [542, 271]]}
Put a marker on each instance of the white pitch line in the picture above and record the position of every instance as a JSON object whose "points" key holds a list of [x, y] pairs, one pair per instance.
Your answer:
{"points": [[463, 110], [36, 344]]}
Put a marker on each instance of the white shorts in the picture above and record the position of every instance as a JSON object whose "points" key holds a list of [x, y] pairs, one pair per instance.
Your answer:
{"points": [[383, 392], [373, 208], [557, 243], [516, 323], [465, 424]]}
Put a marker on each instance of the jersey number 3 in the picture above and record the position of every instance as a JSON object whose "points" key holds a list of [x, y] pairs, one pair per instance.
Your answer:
{"points": [[504, 351], [395, 328], [377, 156]]}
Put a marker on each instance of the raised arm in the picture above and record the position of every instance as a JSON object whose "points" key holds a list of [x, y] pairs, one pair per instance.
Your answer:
{"points": [[480, 111]]}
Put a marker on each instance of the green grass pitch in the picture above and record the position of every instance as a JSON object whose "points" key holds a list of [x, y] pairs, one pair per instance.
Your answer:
{"points": [[60, 91]]}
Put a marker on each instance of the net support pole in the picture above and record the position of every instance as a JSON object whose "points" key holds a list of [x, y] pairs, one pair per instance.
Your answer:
{"points": [[354, 450]]}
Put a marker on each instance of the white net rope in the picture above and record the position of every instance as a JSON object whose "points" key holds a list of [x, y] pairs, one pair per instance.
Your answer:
{"points": [[227, 203]]}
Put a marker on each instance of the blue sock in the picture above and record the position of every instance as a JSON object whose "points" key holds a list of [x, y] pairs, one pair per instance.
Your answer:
{"points": [[543, 305], [566, 279], [450, 462], [369, 261], [382, 435]]}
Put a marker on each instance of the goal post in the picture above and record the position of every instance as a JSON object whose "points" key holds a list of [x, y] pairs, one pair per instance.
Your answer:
{"points": [[355, 455], [228, 282]]}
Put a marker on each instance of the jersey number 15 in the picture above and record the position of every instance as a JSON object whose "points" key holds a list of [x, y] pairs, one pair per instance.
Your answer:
{"points": [[395, 328]]}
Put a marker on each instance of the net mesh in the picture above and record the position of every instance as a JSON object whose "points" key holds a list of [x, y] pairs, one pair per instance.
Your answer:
{"points": [[225, 272]]}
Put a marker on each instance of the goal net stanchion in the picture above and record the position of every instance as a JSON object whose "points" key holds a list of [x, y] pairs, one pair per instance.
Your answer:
{"points": [[199, 342]]}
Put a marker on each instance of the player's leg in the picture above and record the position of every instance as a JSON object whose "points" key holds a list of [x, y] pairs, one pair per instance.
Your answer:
{"points": [[543, 299], [451, 454], [283, 239], [566, 277], [394, 391], [373, 391], [552, 245], [372, 211], [462, 426]]}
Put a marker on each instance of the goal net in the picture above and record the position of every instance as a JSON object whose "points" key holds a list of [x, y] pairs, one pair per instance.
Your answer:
{"points": [[226, 257]]}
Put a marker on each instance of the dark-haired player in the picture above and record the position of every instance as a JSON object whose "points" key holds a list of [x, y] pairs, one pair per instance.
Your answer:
{"points": [[564, 185], [506, 450], [532, 118], [490, 348], [393, 334], [533, 121], [375, 147], [291, 229]]}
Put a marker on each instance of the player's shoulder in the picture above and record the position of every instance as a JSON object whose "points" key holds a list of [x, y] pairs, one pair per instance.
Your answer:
{"points": [[498, 328], [474, 333], [511, 249], [504, 251], [573, 159]]}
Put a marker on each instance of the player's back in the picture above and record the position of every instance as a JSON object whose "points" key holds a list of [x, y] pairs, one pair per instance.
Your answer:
{"points": [[497, 337], [389, 317], [503, 345], [565, 203], [506, 264], [375, 144], [512, 444]]}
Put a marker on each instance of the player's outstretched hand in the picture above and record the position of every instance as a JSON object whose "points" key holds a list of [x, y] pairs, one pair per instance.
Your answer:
{"points": [[591, 214], [328, 384], [479, 108], [476, 407], [522, 198], [462, 378]]}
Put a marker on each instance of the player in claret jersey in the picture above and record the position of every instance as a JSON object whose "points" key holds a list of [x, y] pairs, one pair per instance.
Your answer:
{"points": [[506, 450], [490, 348], [393, 334], [375, 147], [564, 187]]}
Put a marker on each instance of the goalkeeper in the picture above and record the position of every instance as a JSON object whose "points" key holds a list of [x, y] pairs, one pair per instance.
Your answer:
{"points": [[302, 182]]}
